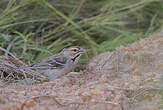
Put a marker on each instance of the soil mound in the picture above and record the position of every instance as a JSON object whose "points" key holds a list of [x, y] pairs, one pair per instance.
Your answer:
{"points": [[128, 78]]}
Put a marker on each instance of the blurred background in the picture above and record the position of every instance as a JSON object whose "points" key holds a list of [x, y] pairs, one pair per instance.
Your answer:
{"points": [[34, 29]]}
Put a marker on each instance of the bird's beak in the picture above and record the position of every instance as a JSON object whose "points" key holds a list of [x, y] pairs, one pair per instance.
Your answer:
{"points": [[82, 50]]}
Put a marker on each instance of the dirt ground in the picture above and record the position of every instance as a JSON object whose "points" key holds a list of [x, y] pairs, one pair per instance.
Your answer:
{"points": [[130, 78]]}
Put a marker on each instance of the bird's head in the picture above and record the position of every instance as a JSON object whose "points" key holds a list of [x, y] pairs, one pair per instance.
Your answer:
{"points": [[73, 52]]}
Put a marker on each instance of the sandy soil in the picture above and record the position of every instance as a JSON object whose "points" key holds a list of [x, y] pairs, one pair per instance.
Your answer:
{"points": [[130, 78]]}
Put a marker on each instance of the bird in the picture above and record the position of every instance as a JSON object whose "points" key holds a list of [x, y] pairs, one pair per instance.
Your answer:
{"points": [[59, 64]]}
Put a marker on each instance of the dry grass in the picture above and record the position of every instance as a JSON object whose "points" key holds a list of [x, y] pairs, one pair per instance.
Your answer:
{"points": [[10, 71]]}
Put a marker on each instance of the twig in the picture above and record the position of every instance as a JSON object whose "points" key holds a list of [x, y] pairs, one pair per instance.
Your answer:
{"points": [[109, 57], [46, 96], [11, 55], [80, 103]]}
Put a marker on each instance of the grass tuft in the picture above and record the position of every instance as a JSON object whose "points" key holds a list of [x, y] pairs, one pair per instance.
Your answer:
{"points": [[34, 29]]}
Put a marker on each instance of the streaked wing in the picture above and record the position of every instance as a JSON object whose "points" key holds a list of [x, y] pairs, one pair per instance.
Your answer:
{"points": [[51, 63]]}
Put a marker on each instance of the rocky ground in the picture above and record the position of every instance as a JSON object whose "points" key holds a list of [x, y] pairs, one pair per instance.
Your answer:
{"points": [[130, 78]]}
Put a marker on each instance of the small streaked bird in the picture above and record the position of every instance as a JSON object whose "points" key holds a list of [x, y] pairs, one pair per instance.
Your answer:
{"points": [[60, 64]]}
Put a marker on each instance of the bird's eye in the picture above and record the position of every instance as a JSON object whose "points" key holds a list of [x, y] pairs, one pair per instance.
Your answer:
{"points": [[75, 50]]}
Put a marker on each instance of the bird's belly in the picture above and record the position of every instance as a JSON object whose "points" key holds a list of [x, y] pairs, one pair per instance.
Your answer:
{"points": [[53, 74]]}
